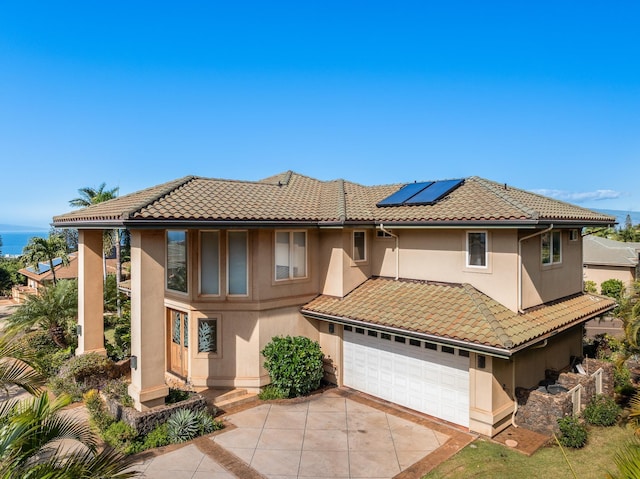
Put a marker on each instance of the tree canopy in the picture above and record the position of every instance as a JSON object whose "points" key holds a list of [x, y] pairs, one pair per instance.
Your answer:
{"points": [[45, 250]]}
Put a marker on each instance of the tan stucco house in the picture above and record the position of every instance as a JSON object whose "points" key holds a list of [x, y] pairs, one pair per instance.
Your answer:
{"points": [[440, 296], [608, 259]]}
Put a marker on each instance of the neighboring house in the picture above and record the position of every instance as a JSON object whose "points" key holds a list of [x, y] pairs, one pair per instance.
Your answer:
{"points": [[42, 276], [608, 259], [442, 297]]}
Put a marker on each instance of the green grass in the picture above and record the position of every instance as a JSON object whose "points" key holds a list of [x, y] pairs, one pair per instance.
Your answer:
{"points": [[486, 459]]}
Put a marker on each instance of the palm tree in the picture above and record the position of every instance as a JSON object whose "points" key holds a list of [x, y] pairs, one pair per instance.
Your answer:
{"points": [[30, 434], [92, 196], [15, 369], [41, 250], [51, 310]]}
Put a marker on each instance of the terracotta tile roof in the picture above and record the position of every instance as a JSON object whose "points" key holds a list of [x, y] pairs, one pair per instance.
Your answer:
{"points": [[63, 272], [456, 312], [290, 197]]}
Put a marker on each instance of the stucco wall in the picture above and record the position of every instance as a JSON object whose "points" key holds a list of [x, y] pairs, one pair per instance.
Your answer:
{"points": [[543, 283], [556, 355], [601, 273], [440, 255]]}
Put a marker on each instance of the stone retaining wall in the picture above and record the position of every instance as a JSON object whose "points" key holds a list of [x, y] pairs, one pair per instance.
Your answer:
{"points": [[144, 422], [539, 411]]}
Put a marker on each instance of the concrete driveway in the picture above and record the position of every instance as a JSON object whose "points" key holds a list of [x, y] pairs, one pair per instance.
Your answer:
{"points": [[337, 434]]}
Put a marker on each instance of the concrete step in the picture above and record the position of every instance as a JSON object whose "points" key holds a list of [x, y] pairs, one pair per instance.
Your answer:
{"points": [[235, 401]]}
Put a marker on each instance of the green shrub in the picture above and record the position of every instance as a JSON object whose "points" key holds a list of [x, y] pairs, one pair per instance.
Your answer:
{"points": [[182, 426], [601, 411], [612, 288], [100, 417], [590, 287], [122, 437], [572, 432], [271, 392], [294, 364], [82, 373], [621, 377], [156, 438], [118, 389], [176, 395]]}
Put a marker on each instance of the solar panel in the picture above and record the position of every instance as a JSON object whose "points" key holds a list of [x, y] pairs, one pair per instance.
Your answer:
{"points": [[404, 193], [433, 192]]}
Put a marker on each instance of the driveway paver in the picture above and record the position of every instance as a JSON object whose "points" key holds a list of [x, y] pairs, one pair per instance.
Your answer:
{"points": [[332, 435]]}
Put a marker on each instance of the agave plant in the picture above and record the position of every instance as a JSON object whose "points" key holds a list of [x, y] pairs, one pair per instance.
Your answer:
{"points": [[182, 426]]}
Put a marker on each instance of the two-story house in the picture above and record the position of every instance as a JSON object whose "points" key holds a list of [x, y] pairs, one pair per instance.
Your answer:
{"points": [[440, 296]]}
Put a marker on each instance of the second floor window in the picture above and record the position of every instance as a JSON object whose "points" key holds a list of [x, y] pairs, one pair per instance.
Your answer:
{"points": [[210, 262], [177, 261], [551, 246], [237, 263], [290, 255], [359, 246], [477, 249]]}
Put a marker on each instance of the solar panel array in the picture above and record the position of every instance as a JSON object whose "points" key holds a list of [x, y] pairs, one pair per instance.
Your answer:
{"points": [[44, 266], [426, 193]]}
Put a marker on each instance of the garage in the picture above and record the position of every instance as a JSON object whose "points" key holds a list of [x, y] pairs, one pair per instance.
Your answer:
{"points": [[424, 376]]}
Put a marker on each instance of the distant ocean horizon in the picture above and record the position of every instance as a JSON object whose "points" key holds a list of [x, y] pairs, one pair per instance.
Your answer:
{"points": [[14, 241]]}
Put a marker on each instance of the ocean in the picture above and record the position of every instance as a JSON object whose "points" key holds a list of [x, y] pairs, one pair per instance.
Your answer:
{"points": [[13, 242]]}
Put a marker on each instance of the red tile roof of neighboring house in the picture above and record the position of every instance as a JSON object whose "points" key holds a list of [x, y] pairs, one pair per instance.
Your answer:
{"points": [[63, 272], [293, 198], [454, 312]]}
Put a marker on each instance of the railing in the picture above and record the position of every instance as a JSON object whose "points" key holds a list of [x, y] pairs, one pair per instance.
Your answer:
{"points": [[576, 392], [598, 379]]}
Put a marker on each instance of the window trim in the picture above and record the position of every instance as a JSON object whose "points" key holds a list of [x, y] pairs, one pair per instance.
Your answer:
{"points": [[306, 255], [550, 234], [209, 295], [468, 252], [186, 261], [364, 246], [228, 249]]}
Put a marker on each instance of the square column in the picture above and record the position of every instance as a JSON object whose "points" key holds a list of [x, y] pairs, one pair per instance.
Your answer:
{"points": [[90, 293], [148, 388]]}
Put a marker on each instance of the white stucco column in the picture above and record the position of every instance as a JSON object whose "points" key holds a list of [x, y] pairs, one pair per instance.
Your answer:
{"points": [[148, 388], [90, 293]]}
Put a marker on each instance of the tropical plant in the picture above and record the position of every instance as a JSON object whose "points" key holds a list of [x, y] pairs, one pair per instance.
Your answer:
{"points": [[294, 364], [30, 432], [52, 310], [612, 288], [15, 369], [45, 250], [627, 460], [590, 287], [182, 426]]}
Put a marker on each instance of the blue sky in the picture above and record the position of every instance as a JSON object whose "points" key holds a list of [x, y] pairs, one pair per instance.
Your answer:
{"points": [[544, 96]]}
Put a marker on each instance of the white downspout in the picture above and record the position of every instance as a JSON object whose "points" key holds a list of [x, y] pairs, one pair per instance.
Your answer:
{"points": [[397, 249], [520, 263], [515, 399]]}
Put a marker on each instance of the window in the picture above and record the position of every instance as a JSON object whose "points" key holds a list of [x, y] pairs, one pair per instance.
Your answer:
{"points": [[477, 249], [209, 262], [551, 247], [432, 346], [414, 342], [177, 261], [291, 254], [359, 246], [463, 353], [348, 328], [360, 330], [207, 335], [385, 336], [382, 234], [448, 349], [237, 263], [400, 339], [372, 333]]}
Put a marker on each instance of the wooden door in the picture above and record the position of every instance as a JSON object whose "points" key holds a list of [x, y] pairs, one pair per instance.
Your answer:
{"points": [[178, 342]]}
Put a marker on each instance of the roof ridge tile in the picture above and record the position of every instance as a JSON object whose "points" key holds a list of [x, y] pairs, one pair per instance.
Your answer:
{"points": [[478, 299], [493, 187]]}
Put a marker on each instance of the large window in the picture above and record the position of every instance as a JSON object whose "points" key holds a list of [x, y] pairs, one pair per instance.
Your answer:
{"points": [[477, 250], [291, 254], [237, 263], [177, 261], [359, 246], [551, 247], [210, 262]]}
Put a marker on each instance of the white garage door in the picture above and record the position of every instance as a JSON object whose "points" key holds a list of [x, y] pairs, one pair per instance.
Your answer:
{"points": [[408, 372]]}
